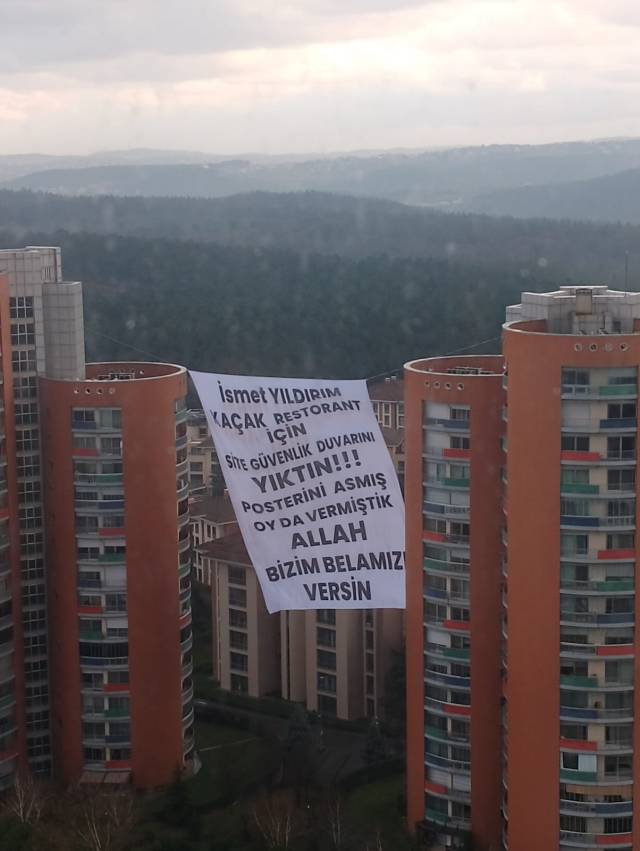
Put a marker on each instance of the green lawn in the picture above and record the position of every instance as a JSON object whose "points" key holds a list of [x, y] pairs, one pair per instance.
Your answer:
{"points": [[211, 734]]}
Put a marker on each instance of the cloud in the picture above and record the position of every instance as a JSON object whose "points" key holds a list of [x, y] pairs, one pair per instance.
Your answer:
{"points": [[311, 74]]}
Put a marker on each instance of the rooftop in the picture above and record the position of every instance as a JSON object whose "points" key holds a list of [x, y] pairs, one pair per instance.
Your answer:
{"points": [[588, 310], [214, 509], [389, 390], [392, 436], [229, 548]]}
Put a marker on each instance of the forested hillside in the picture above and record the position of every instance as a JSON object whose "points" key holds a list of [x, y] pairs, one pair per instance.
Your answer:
{"points": [[447, 176], [277, 312], [311, 222], [615, 198]]}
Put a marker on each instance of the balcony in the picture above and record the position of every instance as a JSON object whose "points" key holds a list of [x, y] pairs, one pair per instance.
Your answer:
{"points": [[446, 482], [445, 736], [593, 683], [623, 521], [181, 441], [104, 662], [447, 652], [445, 509], [117, 713], [583, 555], [445, 452], [98, 478], [445, 538], [621, 808], [184, 570], [99, 504], [451, 764], [581, 651], [445, 425], [596, 713], [445, 566], [597, 618], [447, 679], [609, 586], [447, 708]]}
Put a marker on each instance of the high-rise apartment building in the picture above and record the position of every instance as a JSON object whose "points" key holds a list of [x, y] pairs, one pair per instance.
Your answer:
{"points": [[335, 662], [95, 633], [562, 403]]}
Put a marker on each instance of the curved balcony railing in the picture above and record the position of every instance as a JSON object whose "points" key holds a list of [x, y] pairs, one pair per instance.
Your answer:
{"points": [[596, 713], [447, 679], [447, 708], [593, 840], [445, 508], [606, 586], [589, 555], [597, 618], [443, 762], [445, 566], [603, 809], [592, 683], [604, 651]]}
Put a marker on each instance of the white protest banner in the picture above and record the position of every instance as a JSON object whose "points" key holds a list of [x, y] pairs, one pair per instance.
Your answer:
{"points": [[313, 488]]}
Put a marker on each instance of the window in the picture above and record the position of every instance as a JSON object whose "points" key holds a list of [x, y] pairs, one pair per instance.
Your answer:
{"points": [[621, 480], [368, 663], [93, 729], [26, 413], [401, 415], [623, 824], [38, 745], [578, 476], [237, 575], [121, 703], [110, 418], [120, 754], [369, 684], [196, 466], [30, 517], [327, 705], [22, 334], [625, 509], [111, 445], [237, 618], [86, 524], [459, 413], [386, 414], [459, 442], [238, 640], [618, 765], [91, 755], [619, 605], [621, 410], [238, 662], [25, 388], [28, 466], [32, 568], [570, 443], [325, 637], [621, 541], [237, 597], [21, 307], [31, 543], [27, 439], [113, 521], [23, 361], [368, 639], [578, 762], [574, 507], [621, 447], [575, 378], [574, 544], [575, 824], [459, 471], [239, 683], [327, 616], [35, 645], [84, 442], [36, 670], [37, 721], [116, 603], [119, 728], [37, 695], [83, 415], [326, 659], [370, 707], [33, 595]]}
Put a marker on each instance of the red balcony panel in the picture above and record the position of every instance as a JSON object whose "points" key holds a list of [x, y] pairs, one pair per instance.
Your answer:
{"points": [[504, 688], [614, 838], [123, 764], [615, 650], [456, 709], [115, 687], [465, 625], [185, 619], [580, 456], [435, 787], [89, 610], [433, 536], [84, 453], [117, 531], [455, 453], [607, 554], [577, 745]]}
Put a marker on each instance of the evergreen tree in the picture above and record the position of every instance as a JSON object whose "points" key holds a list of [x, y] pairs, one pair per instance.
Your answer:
{"points": [[298, 728], [178, 809], [373, 748]]}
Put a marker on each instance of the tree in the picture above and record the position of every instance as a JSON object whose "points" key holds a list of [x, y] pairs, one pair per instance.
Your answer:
{"points": [[28, 799], [373, 748], [277, 820], [178, 809], [298, 728], [100, 819]]}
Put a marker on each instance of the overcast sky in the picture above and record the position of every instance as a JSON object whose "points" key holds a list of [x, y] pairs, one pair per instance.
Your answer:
{"points": [[230, 76]]}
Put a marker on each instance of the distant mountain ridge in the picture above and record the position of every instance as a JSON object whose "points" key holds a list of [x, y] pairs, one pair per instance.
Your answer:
{"points": [[614, 198], [449, 178]]}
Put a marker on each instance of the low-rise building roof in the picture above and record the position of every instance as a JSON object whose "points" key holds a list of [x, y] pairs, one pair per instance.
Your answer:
{"points": [[228, 548], [214, 509], [390, 390]]}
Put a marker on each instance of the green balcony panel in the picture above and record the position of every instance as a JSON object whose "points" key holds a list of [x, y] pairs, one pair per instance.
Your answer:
{"points": [[619, 390], [578, 776], [7, 700], [567, 488], [90, 636], [111, 557], [613, 585], [456, 653], [579, 682], [456, 483], [116, 713], [109, 478], [435, 732], [433, 815]]}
